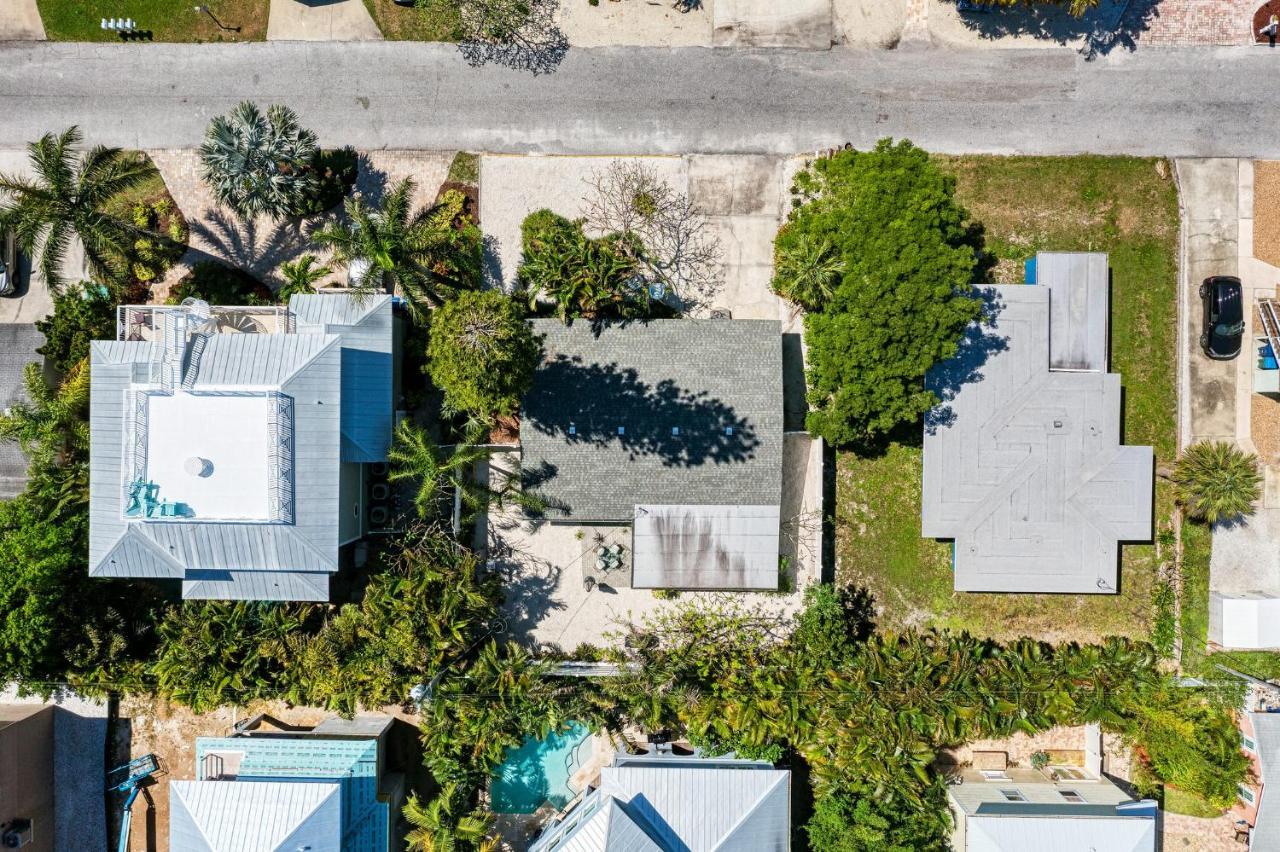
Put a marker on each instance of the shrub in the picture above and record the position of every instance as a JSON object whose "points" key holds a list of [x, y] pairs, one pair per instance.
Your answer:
{"points": [[482, 353], [80, 315], [844, 821], [879, 247], [220, 285], [1216, 480], [335, 174], [260, 164]]}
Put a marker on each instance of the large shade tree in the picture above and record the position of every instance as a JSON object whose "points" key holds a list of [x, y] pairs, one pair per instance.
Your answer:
{"points": [[259, 163], [482, 354], [65, 199], [430, 254], [883, 256]]}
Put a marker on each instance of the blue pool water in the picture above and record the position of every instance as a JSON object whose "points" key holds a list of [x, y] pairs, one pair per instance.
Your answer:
{"points": [[539, 771]]}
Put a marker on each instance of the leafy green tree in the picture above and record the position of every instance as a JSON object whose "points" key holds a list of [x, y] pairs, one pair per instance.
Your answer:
{"points": [[259, 164], [300, 276], [482, 354], [1216, 480], [442, 470], [844, 821], [888, 220], [80, 315], [66, 198], [53, 432], [430, 255], [832, 624], [594, 278], [806, 271]]}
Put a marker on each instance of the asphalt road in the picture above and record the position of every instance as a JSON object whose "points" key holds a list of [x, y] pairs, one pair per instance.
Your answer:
{"points": [[1191, 102]]}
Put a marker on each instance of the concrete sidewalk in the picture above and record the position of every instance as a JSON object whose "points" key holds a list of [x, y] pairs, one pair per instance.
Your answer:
{"points": [[321, 20], [20, 21]]}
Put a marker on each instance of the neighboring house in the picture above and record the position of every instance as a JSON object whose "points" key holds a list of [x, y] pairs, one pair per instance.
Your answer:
{"points": [[1259, 795], [1023, 465], [1061, 808], [26, 777], [327, 788], [229, 445], [18, 344], [677, 804], [671, 427]]}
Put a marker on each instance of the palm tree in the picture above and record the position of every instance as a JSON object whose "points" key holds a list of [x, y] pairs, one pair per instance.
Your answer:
{"points": [[429, 255], [66, 198], [436, 827], [582, 276], [300, 276], [259, 164], [53, 432], [443, 470], [807, 271], [1215, 480]]}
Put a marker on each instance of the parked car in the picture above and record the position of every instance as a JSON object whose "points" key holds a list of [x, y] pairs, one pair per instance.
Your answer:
{"points": [[9, 265], [1223, 323]]}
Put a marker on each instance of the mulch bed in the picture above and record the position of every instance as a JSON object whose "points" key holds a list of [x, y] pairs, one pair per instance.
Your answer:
{"points": [[1266, 211]]}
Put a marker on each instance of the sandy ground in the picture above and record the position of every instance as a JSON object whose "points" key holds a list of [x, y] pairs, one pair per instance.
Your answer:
{"points": [[1266, 211], [634, 22]]}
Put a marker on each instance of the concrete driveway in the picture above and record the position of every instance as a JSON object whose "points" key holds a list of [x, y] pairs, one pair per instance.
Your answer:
{"points": [[321, 20], [800, 24], [20, 21], [1210, 234]]}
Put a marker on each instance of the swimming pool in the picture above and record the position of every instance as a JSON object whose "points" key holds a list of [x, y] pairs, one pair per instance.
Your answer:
{"points": [[539, 771]]}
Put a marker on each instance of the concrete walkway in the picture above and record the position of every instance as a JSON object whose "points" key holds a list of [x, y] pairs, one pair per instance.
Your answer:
{"points": [[20, 21], [321, 20], [1210, 236]]}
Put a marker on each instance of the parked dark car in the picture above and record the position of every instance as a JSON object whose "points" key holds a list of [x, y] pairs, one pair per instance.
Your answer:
{"points": [[8, 264], [1223, 324]]}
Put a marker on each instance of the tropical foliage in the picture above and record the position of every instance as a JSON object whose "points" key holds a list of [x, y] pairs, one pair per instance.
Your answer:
{"points": [[65, 200], [53, 432], [259, 164], [300, 276], [883, 256], [1216, 480], [81, 314], [429, 255], [482, 354], [580, 276]]}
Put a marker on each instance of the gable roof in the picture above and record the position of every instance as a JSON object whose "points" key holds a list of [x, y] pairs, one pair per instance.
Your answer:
{"points": [[718, 382], [673, 805], [303, 367], [365, 327], [258, 816], [1058, 834], [1023, 465]]}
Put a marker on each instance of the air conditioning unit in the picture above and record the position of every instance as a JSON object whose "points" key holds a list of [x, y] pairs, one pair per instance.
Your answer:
{"points": [[15, 834]]}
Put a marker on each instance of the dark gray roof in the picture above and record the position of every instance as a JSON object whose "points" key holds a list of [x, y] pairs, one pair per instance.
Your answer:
{"points": [[18, 344], [718, 382], [365, 328]]}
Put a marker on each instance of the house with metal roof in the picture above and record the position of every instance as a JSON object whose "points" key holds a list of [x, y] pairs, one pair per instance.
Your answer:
{"points": [[325, 788], [228, 445], [671, 427], [1057, 809], [1024, 469], [677, 804]]}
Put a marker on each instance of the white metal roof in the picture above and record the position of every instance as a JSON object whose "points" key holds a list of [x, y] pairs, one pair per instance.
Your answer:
{"points": [[254, 816], [1059, 834], [705, 547], [1250, 621], [1266, 827]]}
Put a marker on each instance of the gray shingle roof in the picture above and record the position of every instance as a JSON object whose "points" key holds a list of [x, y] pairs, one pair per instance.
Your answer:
{"points": [[18, 344], [1023, 465], [718, 382]]}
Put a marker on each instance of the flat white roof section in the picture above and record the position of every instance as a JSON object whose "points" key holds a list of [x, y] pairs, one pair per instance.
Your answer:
{"points": [[1079, 307], [1023, 466], [1060, 834], [705, 547], [226, 437], [1247, 622]]}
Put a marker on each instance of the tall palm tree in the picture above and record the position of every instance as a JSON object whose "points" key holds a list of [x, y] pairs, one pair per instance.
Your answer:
{"points": [[300, 276], [66, 198], [430, 254], [1216, 480], [259, 164], [807, 271]]}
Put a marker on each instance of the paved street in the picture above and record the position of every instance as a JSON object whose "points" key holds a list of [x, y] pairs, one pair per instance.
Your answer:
{"points": [[1187, 102]]}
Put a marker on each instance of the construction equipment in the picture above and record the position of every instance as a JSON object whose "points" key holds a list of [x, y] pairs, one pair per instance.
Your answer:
{"points": [[128, 779]]}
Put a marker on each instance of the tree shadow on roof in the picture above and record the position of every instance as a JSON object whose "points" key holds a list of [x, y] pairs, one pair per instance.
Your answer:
{"points": [[981, 340], [605, 405]]}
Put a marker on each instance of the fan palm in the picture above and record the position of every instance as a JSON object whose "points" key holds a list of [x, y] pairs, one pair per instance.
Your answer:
{"points": [[1215, 480], [259, 164], [807, 271], [443, 470], [430, 254], [300, 276], [65, 198]]}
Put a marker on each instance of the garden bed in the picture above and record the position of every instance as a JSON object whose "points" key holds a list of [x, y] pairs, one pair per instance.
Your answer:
{"points": [[1128, 208], [157, 20]]}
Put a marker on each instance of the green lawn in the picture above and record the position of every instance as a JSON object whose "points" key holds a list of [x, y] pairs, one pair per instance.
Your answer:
{"points": [[1181, 802], [165, 20], [1119, 205], [434, 22]]}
